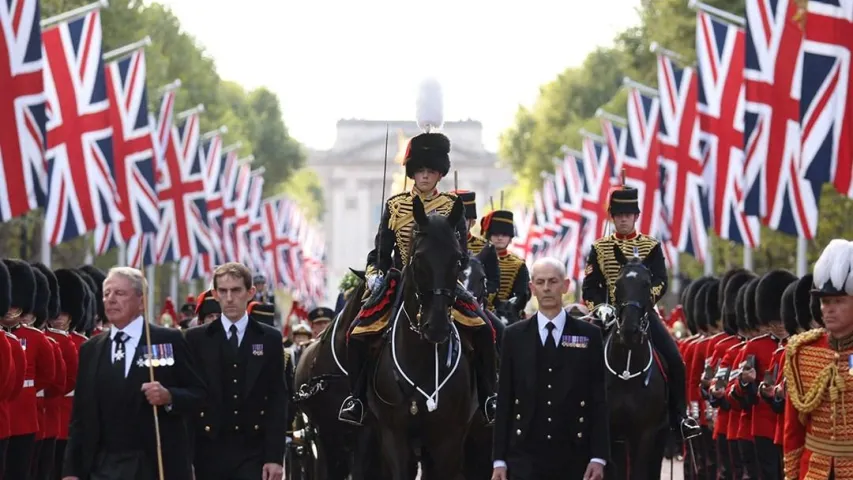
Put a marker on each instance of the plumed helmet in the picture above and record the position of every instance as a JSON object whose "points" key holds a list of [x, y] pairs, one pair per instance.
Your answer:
{"points": [[712, 304], [768, 295], [5, 290], [52, 305], [733, 300], [42, 297], [23, 285], [72, 296], [787, 310], [206, 305], [833, 271], [97, 276]]}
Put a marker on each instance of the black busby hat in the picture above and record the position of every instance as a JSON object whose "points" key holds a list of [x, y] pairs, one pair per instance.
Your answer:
{"points": [[750, 318], [787, 310], [724, 280], [262, 312], [23, 285], [712, 304], [469, 199], [97, 276], [732, 300], [72, 295], [42, 297], [690, 303], [321, 314], [90, 303], [806, 305], [5, 290], [428, 150], [206, 305], [768, 295], [53, 283], [699, 301], [498, 222], [624, 200]]}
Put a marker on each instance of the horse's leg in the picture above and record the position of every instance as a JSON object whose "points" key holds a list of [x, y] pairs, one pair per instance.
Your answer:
{"points": [[617, 468], [396, 453], [443, 460], [656, 453]]}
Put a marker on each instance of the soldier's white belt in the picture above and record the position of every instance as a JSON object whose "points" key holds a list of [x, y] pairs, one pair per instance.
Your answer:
{"points": [[29, 383], [70, 394], [40, 394]]}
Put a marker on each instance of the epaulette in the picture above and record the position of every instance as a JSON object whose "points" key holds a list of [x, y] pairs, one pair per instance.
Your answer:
{"points": [[763, 335], [450, 195], [737, 345], [397, 196], [802, 339], [59, 332], [286, 355], [52, 339], [10, 335]]}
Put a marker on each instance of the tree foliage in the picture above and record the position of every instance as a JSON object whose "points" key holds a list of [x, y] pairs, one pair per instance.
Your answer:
{"points": [[253, 118], [568, 104]]}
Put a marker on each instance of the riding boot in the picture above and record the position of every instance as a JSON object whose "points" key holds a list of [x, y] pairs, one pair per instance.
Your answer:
{"points": [[486, 371], [666, 347], [352, 408]]}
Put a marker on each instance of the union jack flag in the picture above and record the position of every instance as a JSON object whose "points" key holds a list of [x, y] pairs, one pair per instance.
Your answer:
{"points": [[681, 158], [22, 110], [777, 187], [183, 209], [82, 191], [199, 266], [235, 191], [276, 216], [720, 50], [243, 223], [133, 149], [214, 169], [256, 232], [528, 236], [164, 129], [826, 98], [569, 191], [599, 172]]}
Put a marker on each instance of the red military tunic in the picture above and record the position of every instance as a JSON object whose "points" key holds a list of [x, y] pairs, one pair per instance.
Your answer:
{"points": [[56, 390], [762, 418], [779, 365], [695, 370], [55, 398], [39, 374], [744, 418], [65, 405], [701, 361], [691, 383], [731, 360], [721, 370], [818, 433], [20, 359], [44, 425], [7, 380]]}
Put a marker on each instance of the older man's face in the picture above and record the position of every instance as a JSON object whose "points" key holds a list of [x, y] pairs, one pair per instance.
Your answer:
{"points": [[548, 286], [122, 303]]}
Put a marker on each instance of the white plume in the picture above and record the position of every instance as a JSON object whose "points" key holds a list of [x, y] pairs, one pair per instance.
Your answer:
{"points": [[835, 266], [429, 111]]}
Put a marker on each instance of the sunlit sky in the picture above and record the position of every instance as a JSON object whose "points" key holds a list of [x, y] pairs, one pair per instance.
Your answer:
{"points": [[329, 60]]}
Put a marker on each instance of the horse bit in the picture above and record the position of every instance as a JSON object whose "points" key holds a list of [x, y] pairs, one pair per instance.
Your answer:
{"points": [[614, 317]]}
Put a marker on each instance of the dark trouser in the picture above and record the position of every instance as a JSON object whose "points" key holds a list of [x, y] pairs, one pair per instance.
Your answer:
{"points": [[19, 453], [43, 459], [736, 460], [58, 458], [747, 456], [485, 361], [666, 347], [357, 357], [3, 443], [768, 458], [123, 466], [708, 467], [724, 460], [230, 457]]}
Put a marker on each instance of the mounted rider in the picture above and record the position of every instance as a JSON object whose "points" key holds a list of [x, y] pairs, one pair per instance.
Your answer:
{"points": [[476, 243], [514, 291], [427, 160], [599, 287]]}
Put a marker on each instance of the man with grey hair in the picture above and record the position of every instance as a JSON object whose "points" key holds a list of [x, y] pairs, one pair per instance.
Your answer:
{"points": [[552, 420], [112, 434]]}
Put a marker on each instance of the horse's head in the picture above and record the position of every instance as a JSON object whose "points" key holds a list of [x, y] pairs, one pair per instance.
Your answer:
{"points": [[633, 298], [436, 262], [473, 277]]}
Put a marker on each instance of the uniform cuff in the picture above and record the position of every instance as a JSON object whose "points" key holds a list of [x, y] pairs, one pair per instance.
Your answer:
{"points": [[499, 464], [598, 460]]}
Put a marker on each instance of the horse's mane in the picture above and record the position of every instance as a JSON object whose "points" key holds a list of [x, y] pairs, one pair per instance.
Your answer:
{"points": [[351, 308]]}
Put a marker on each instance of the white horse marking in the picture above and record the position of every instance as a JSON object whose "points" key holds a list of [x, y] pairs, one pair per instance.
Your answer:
{"points": [[631, 274]]}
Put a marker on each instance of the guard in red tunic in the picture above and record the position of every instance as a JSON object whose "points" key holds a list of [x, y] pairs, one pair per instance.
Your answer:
{"points": [[72, 318], [694, 310], [7, 366], [39, 374], [770, 389]]}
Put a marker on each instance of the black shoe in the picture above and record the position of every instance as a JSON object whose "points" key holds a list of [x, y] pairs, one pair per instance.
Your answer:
{"points": [[352, 411], [490, 409]]}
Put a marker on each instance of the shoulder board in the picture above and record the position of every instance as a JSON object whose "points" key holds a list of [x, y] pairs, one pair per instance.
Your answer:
{"points": [[737, 345], [31, 328], [10, 335], [58, 332], [397, 198], [51, 339], [601, 240], [759, 337], [449, 195]]}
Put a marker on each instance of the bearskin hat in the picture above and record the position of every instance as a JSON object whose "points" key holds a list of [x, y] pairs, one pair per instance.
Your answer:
{"points": [[90, 309], [733, 301], [23, 285], [712, 304], [72, 296], [42, 297], [98, 277], [53, 301], [787, 310], [698, 307], [690, 301], [768, 295], [750, 313], [723, 282], [5, 290], [806, 305]]}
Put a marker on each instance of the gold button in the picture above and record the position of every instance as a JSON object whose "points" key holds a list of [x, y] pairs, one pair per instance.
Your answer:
{"points": [[236, 428], [583, 403], [235, 412], [549, 419], [262, 412], [580, 435], [516, 401], [518, 417], [580, 420], [837, 355], [548, 437], [235, 365], [235, 380], [201, 414], [257, 427], [207, 428], [518, 432], [549, 402], [549, 386], [550, 369], [235, 396]]}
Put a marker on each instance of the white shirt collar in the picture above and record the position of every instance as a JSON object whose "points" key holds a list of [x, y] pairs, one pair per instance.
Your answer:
{"points": [[241, 324], [559, 321], [133, 329]]}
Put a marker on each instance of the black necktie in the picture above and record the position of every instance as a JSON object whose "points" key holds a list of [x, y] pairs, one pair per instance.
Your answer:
{"points": [[119, 353], [550, 343], [232, 340]]}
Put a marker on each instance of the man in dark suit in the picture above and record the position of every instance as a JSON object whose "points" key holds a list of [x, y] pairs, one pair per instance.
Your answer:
{"points": [[551, 420], [111, 435], [241, 433]]}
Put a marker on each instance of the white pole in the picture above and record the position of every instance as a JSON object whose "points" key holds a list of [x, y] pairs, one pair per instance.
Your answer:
{"points": [[717, 12], [45, 248], [593, 136], [122, 256], [232, 147], [151, 277], [747, 258], [644, 89], [802, 256], [655, 47], [173, 283], [601, 113], [77, 12], [186, 113], [129, 48]]}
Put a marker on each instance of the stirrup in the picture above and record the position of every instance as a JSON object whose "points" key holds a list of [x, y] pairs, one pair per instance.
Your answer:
{"points": [[352, 411], [689, 428], [490, 407]]}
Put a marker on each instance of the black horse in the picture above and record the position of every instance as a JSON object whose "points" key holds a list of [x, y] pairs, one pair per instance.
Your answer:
{"points": [[321, 385], [424, 395], [636, 386]]}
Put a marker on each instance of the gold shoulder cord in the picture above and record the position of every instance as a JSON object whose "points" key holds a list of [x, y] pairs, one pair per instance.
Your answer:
{"points": [[827, 380]]}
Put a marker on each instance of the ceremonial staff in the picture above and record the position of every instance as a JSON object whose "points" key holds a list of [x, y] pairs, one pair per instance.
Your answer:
{"points": [[160, 470]]}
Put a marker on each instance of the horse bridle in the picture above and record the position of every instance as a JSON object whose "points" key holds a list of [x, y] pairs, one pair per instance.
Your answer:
{"points": [[644, 320], [450, 293]]}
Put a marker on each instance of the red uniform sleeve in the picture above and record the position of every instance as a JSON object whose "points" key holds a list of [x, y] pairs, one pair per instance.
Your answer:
{"points": [[20, 358], [793, 441], [57, 387], [696, 369], [45, 367], [7, 368]]}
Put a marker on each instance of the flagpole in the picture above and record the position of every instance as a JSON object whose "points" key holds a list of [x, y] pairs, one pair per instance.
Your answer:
{"points": [[145, 322], [717, 12], [174, 85], [644, 89], [655, 47], [77, 12], [802, 257], [230, 148], [586, 133], [192, 111], [572, 152], [248, 159], [747, 258], [127, 49], [222, 130], [601, 113]]}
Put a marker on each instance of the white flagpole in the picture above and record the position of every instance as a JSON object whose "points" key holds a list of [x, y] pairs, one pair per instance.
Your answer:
{"points": [[601, 113], [717, 12], [72, 14], [127, 49], [802, 258]]}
